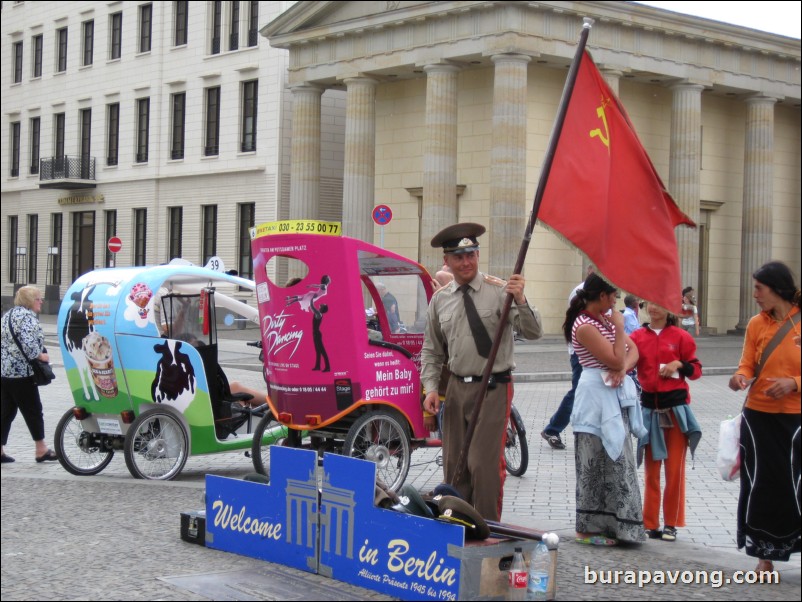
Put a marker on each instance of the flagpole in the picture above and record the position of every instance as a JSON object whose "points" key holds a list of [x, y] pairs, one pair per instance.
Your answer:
{"points": [[587, 23]]}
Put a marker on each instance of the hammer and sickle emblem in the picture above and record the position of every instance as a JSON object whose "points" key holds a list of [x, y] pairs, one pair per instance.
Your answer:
{"points": [[603, 136]]}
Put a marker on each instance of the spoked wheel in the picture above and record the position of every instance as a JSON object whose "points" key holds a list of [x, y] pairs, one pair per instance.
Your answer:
{"points": [[382, 438], [78, 452], [516, 449], [268, 432], [156, 446]]}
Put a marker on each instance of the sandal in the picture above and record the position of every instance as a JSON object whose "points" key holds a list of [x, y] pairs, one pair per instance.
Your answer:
{"points": [[597, 540], [669, 534], [48, 456]]}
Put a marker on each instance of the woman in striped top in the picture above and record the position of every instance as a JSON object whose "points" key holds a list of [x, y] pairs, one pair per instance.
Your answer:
{"points": [[608, 500]]}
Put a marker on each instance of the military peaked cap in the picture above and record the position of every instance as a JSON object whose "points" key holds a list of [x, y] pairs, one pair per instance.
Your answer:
{"points": [[459, 238]]}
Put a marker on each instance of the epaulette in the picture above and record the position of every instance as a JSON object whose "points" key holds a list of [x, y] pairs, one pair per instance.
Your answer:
{"points": [[493, 280], [442, 288]]}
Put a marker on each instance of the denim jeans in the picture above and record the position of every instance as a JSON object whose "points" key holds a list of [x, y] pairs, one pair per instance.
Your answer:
{"points": [[562, 416]]}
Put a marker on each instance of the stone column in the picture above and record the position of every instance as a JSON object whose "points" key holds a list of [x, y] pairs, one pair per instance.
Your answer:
{"points": [[508, 207], [685, 164], [439, 160], [756, 227], [305, 167], [360, 158]]}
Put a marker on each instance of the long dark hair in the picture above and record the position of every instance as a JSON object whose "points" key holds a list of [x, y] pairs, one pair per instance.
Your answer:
{"points": [[591, 290], [778, 277]]}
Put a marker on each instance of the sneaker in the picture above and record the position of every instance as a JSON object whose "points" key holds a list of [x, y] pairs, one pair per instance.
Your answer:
{"points": [[654, 533], [553, 440], [669, 534]]}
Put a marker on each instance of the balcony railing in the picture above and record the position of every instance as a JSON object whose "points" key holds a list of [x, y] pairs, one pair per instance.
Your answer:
{"points": [[67, 168]]}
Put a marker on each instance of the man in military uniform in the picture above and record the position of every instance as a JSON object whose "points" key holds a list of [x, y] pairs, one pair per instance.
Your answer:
{"points": [[461, 322]]}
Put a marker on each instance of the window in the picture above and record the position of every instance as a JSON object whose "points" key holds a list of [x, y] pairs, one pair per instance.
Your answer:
{"points": [[249, 101], [89, 42], [58, 142], [140, 235], [247, 213], [61, 50], [83, 243], [177, 142], [35, 125], [176, 217], [212, 139], [145, 27], [181, 22], [217, 26], [54, 254], [209, 233], [233, 29], [13, 240], [14, 139], [115, 35], [38, 42], [253, 23], [111, 230], [33, 247], [17, 62], [113, 133], [142, 129], [86, 143]]}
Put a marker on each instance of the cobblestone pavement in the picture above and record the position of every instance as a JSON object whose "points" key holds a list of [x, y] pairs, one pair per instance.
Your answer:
{"points": [[113, 537]]}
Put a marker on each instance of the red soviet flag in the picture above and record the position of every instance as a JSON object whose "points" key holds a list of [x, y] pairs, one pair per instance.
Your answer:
{"points": [[604, 196]]}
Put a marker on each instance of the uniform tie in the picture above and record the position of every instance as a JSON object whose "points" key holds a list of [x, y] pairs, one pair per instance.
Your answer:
{"points": [[478, 330]]}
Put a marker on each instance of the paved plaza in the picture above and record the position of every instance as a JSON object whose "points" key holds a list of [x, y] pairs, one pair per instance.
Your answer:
{"points": [[113, 537]]}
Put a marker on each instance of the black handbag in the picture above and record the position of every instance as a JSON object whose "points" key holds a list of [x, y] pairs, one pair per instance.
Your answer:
{"points": [[42, 371]]}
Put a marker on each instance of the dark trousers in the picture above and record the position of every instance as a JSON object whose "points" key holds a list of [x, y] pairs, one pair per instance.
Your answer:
{"points": [[482, 481], [562, 416], [22, 394]]}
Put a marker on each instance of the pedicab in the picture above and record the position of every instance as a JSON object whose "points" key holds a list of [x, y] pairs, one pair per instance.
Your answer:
{"points": [[140, 350], [342, 375]]}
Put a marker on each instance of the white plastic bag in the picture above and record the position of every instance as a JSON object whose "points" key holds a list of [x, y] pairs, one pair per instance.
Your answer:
{"points": [[728, 459]]}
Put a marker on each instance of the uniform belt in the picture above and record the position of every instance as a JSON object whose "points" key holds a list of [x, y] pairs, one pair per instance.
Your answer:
{"points": [[495, 378]]}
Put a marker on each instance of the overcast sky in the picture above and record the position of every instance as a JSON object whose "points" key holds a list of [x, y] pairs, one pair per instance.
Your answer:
{"points": [[776, 17]]}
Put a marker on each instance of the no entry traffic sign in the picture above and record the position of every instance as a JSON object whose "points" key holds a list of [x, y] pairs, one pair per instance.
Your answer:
{"points": [[115, 244], [382, 215]]}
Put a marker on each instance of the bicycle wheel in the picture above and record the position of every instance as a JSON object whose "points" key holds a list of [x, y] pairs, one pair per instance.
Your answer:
{"points": [[384, 439], [267, 433], [78, 452], [156, 446], [516, 450]]}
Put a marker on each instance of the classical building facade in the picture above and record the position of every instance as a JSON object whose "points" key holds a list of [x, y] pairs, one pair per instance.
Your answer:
{"points": [[174, 125], [165, 124], [450, 106]]}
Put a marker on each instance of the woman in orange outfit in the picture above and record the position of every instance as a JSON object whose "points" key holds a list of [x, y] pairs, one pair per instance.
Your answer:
{"points": [[667, 359], [769, 505]]}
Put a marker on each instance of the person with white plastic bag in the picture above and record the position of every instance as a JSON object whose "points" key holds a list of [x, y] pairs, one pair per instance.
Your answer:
{"points": [[769, 503]]}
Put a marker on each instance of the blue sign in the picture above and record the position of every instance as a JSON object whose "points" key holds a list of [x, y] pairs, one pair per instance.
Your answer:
{"points": [[328, 524], [401, 555], [276, 522]]}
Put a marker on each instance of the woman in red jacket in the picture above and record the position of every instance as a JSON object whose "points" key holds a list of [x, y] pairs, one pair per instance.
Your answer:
{"points": [[667, 359]]}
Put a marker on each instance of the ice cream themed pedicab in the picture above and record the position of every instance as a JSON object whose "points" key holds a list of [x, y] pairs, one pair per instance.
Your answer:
{"points": [[140, 351], [342, 325]]}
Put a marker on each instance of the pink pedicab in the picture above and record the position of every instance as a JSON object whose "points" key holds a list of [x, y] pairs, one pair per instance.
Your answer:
{"points": [[341, 361]]}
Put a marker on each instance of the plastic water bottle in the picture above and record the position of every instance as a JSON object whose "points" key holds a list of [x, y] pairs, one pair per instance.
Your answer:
{"points": [[516, 589], [539, 571]]}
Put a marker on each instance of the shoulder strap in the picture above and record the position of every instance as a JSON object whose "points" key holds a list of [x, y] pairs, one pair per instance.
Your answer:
{"points": [[775, 341]]}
